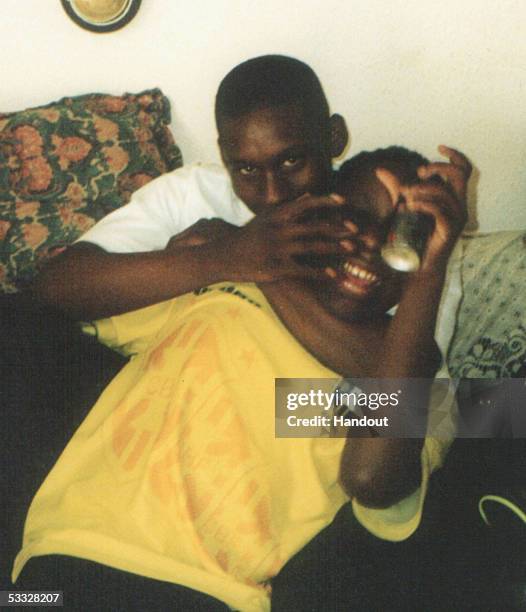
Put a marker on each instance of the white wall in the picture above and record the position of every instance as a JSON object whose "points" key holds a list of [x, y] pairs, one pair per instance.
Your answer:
{"points": [[412, 72]]}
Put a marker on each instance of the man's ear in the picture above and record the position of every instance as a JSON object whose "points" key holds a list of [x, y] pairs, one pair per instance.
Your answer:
{"points": [[339, 135]]}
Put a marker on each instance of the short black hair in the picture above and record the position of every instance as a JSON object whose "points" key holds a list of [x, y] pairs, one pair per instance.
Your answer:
{"points": [[269, 81], [397, 159]]}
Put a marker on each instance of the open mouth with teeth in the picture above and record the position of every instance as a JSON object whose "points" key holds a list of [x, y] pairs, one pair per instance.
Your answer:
{"points": [[357, 279]]}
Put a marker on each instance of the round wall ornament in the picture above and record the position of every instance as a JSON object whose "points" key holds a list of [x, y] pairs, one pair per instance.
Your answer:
{"points": [[101, 15]]}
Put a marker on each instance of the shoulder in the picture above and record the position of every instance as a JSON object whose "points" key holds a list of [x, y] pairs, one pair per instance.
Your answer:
{"points": [[202, 190], [207, 178], [191, 177], [209, 188], [206, 181]]}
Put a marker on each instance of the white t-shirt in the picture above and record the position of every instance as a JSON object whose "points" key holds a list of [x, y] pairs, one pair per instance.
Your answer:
{"points": [[168, 205]]}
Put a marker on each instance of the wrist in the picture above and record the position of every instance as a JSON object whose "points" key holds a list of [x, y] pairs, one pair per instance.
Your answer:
{"points": [[430, 274], [215, 260], [201, 265], [437, 258]]}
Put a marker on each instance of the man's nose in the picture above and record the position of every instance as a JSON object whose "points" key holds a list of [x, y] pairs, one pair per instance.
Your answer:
{"points": [[276, 191]]}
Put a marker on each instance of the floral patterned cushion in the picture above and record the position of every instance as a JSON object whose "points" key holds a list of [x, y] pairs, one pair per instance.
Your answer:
{"points": [[65, 165]]}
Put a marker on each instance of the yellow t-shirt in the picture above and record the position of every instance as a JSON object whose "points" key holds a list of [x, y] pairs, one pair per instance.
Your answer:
{"points": [[176, 473]]}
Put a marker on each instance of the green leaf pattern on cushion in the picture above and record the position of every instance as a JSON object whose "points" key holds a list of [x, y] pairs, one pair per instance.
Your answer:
{"points": [[65, 165]]}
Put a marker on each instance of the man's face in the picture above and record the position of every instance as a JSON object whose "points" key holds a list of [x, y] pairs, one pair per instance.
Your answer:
{"points": [[364, 286], [274, 156]]}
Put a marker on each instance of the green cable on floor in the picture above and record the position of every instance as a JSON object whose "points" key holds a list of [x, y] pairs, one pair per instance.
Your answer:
{"points": [[503, 501]]}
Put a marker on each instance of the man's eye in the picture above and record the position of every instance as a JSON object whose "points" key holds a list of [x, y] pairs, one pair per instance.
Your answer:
{"points": [[247, 170], [291, 162]]}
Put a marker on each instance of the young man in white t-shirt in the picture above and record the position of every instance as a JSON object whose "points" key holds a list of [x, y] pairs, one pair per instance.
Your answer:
{"points": [[277, 140]]}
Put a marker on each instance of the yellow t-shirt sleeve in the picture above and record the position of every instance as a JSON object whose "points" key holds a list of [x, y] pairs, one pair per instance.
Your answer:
{"points": [[402, 519], [133, 332]]}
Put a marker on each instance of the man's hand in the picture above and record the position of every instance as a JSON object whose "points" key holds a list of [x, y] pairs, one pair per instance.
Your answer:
{"points": [[266, 249], [445, 202], [456, 172]]}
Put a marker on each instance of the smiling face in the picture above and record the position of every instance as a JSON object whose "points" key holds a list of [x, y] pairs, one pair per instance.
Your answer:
{"points": [[274, 155], [364, 286]]}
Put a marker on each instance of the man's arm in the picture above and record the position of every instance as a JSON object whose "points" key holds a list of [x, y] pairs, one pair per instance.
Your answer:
{"points": [[380, 471], [89, 283]]}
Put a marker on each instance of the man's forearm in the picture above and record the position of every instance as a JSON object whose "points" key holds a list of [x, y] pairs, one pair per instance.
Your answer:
{"points": [[409, 350], [379, 471], [89, 283]]}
